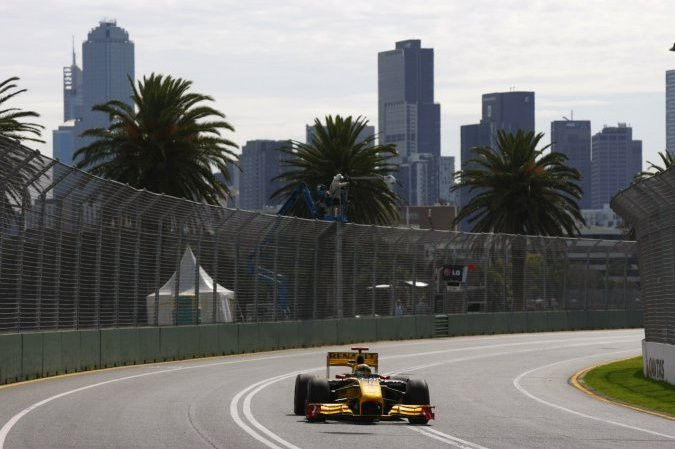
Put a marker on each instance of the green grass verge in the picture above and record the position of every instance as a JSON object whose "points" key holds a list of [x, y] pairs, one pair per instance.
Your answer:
{"points": [[624, 382]]}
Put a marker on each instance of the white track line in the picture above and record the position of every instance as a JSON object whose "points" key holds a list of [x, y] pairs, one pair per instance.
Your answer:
{"points": [[252, 390], [447, 439], [4, 431], [519, 387]]}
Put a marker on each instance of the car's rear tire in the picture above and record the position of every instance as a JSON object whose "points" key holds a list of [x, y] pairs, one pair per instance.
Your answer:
{"points": [[318, 392], [300, 396], [417, 393]]}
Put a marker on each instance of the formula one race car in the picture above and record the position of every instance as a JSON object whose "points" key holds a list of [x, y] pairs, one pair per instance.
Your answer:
{"points": [[361, 394]]}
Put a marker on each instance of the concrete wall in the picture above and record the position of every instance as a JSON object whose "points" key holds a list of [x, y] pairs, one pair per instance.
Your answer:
{"points": [[31, 355], [658, 361]]}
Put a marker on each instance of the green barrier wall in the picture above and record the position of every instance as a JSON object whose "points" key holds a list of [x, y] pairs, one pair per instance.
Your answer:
{"points": [[39, 354]]}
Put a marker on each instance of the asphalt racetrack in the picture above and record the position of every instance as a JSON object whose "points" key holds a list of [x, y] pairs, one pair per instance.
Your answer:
{"points": [[501, 391]]}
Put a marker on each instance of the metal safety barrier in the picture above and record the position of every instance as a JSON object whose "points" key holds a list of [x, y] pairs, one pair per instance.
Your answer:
{"points": [[79, 252], [649, 206]]}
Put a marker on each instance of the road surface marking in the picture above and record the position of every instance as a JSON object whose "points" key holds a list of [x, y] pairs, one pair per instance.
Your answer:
{"points": [[516, 383]]}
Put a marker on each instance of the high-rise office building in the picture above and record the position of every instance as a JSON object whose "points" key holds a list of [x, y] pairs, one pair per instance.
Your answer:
{"points": [[615, 160], [508, 111], [407, 114], [72, 91], [260, 164], [573, 139], [670, 111], [107, 67], [446, 170]]}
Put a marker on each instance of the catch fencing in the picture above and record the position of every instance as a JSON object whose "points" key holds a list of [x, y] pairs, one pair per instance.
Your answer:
{"points": [[78, 252], [649, 206]]}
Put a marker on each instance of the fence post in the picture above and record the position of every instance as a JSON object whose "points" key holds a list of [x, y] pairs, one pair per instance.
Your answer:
{"points": [[137, 255], [296, 263], [196, 305], [216, 258], [25, 198], [373, 293]]}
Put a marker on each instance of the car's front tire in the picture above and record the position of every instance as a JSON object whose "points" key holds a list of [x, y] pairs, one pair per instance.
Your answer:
{"points": [[318, 392], [417, 393], [300, 396]]}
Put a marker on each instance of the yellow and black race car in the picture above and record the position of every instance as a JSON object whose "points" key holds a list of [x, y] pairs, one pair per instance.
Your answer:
{"points": [[362, 394]]}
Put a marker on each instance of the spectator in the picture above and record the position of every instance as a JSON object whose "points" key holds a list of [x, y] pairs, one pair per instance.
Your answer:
{"points": [[421, 307], [398, 308]]}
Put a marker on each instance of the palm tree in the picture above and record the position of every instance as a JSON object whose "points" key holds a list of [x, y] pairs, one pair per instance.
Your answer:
{"points": [[667, 159], [337, 147], [11, 125], [521, 191], [18, 165], [168, 143]]}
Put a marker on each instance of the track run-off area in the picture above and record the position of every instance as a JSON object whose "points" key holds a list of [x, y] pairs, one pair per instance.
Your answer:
{"points": [[499, 391]]}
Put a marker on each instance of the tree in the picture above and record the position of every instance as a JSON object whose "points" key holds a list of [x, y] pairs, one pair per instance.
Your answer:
{"points": [[667, 159], [168, 142], [11, 124], [336, 147], [522, 191], [19, 166]]}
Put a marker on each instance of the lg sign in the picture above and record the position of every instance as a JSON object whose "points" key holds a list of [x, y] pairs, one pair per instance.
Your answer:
{"points": [[454, 274]]}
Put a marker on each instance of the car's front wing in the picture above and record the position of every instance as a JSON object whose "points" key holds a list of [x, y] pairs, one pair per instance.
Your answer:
{"points": [[315, 411]]}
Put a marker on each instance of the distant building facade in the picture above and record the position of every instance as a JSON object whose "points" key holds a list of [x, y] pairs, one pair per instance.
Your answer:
{"points": [[573, 139], [670, 111], [260, 164], [72, 91], [616, 159], [439, 217], [508, 111], [446, 170], [107, 65], [408, 117]]}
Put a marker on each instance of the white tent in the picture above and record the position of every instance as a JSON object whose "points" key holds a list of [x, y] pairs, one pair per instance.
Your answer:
{"points": [[186, 289]]}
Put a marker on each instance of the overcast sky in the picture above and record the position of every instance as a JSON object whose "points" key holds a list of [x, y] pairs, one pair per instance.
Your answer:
{"points": [[274, 65]]}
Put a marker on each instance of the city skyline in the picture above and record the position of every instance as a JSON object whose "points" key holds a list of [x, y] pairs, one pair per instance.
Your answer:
{"points": [[324, 66]]}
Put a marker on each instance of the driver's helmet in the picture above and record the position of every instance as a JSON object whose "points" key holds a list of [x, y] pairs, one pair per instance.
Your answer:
{"points": [[362, 370]]}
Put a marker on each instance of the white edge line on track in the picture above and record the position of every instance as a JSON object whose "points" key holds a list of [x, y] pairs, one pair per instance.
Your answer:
{"points": [[7, 427], [519, 387], [4, 431], [448, 439]]}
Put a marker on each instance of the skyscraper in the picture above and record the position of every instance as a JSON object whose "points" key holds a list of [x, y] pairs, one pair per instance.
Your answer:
{"points": [[446, 169], [508, 111], [670, 111], [573, 139], [407, 114], [107, 66], [260, 164], [72, 91], [616, 159]]}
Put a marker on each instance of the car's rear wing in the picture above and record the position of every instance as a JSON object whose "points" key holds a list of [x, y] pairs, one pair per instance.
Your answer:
{"points": [[351, 358]]}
